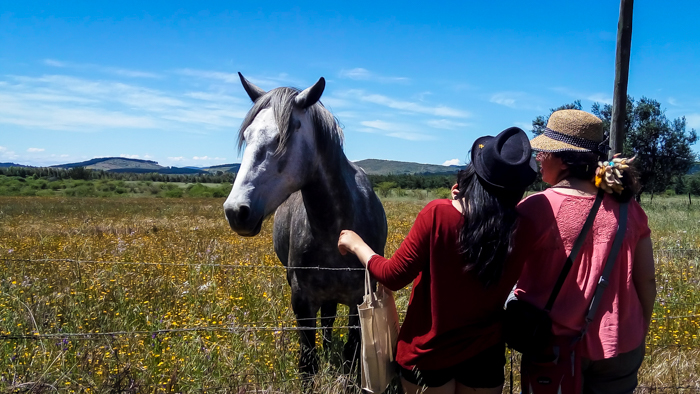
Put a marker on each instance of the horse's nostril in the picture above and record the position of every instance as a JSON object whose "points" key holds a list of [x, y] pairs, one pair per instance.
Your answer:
{"points": [[242, 214]]}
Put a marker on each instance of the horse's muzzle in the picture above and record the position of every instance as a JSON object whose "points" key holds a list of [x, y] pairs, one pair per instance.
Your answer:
{"points": [[242, 222]]}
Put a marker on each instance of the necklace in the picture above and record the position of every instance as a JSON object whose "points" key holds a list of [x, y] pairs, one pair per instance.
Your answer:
{"points": [[577, 187]]}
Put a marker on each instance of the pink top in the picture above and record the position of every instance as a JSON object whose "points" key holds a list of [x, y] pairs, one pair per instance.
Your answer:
{"points": [[451, 316], [550, 222]]}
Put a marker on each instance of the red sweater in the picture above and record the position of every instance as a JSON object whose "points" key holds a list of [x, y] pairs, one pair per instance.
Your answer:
{"points": [[451, 316]]}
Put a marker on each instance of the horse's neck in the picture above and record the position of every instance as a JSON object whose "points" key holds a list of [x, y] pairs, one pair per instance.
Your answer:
{"points": [[328, 195]]}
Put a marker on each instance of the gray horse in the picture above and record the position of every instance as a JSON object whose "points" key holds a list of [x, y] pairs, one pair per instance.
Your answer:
{"points": [[294, 163]]}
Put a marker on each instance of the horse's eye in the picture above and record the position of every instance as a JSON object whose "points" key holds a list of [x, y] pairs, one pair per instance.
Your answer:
{"points": [[296, 124]]}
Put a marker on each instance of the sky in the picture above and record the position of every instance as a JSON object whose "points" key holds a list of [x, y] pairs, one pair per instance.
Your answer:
{"points": [[408, 81]]}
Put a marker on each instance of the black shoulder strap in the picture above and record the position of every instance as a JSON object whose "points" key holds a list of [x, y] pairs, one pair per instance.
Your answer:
{"points": [[609, 263], [574, 250]]}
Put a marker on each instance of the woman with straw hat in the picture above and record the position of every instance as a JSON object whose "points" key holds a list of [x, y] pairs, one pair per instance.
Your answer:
{"points": [[455, 255], [572, 153]]}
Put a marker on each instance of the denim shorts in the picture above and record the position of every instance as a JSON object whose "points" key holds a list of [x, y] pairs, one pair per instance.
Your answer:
{"points": [[485, 370]]}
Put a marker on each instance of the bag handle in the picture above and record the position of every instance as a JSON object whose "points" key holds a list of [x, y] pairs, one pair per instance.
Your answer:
{"points": [[609, 263], [368, 288], [574, 250]]}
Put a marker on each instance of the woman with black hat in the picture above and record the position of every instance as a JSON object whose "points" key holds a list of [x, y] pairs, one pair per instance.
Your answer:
{"points": [[608, 339], [455, 255]]}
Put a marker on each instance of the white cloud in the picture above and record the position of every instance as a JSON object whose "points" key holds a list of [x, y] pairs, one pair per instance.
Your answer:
{"points": [[265, 82], [452, 162], [130, 156], [446, 124], [411, 136], [130, 73], [6, 154], [396, 130], [672, 101], [604, 98], [600, 98], [222, 76], [506, 99], [54, 63], [110, 70], [334, 102], [207, 158], [356, 74], [362, 74], [35, 150], [381, 125], [408, 106], [59, 102], [693, 120], [178, 158]]}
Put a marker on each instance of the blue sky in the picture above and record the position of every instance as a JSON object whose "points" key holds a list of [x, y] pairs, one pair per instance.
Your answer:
{"points": [[410, 81]]}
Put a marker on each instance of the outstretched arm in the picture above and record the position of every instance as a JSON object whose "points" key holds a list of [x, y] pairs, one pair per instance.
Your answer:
{"points": [[349, 241]]}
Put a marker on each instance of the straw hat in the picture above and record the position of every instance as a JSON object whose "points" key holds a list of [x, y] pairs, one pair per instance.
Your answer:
{"points": [[572, 130], [504, 161]]}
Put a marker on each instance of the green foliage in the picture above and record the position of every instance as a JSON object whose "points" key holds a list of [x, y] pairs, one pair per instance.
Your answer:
{"points": [[540, 122], [412, 181], [681, 186], [52, 174], [694, 184], [384, 188], [174, 193], [662, 146]]}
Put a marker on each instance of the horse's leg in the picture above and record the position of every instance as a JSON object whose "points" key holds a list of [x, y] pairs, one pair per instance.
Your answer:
{"points": [[328, 312], [306, 318], [351, 351]]}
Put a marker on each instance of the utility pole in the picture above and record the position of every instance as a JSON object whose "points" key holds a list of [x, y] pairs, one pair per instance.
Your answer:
{"points": [[622, 67]]}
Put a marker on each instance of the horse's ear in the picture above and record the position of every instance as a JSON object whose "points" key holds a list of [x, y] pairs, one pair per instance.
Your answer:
{"points": [[253, 91], [311, 95]]}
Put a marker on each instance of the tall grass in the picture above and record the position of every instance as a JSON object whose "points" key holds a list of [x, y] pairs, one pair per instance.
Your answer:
{"points": [[152, 267]]}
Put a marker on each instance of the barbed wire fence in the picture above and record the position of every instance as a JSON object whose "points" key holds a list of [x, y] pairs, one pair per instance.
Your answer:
{"points": [[261, 380]]}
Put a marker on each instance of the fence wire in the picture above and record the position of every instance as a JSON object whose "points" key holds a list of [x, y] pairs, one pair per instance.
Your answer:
{"points": [[280, 267], [258, 383]]}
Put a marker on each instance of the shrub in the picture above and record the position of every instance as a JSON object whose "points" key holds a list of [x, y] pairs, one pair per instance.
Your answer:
{"points": [[174, 193]]}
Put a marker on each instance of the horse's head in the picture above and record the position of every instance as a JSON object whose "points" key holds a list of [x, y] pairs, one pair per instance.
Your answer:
{"points": [[280, 147]]}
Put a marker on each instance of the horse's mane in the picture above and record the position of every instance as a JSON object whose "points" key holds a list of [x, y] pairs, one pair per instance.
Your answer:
{"points": [[327, 131]]}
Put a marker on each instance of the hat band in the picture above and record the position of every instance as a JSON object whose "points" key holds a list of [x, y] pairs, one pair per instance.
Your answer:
{"points": [[593, 146]]}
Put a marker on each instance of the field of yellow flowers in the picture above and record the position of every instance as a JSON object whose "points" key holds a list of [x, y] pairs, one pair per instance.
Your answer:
{"points": [[159, 295]]}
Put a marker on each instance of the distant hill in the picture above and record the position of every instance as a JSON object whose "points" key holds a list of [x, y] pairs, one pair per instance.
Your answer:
{"points": [[695, 168], [386, 167], [113, 163], [121, 164], [224, 167], [371, 167], [12, 165]]}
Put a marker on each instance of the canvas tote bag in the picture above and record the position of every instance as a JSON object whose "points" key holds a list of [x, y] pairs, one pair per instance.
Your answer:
{"points": [[379, 324]]}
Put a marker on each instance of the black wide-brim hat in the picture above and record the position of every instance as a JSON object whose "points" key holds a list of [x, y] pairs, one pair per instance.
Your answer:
{"points": [[505, 161]]}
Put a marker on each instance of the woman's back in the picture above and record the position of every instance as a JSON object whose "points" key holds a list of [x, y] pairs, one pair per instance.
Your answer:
{"points": [[451, 312], [550, 222]]}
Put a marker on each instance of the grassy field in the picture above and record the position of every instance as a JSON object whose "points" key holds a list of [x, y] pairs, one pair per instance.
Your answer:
{"points": [[158, 295]]}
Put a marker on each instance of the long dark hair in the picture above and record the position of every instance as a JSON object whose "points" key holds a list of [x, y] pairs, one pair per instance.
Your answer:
{"points": [[583, 165], [489, 222]]}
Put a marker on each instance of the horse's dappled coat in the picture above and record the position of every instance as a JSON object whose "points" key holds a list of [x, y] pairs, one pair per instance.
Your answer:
{"points": [[294, 164]]}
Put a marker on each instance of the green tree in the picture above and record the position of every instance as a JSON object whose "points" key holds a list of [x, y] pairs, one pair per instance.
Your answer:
{"points": [[385, 187], [694, 185], [540, 122], [662, 146], [681, 186]]}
